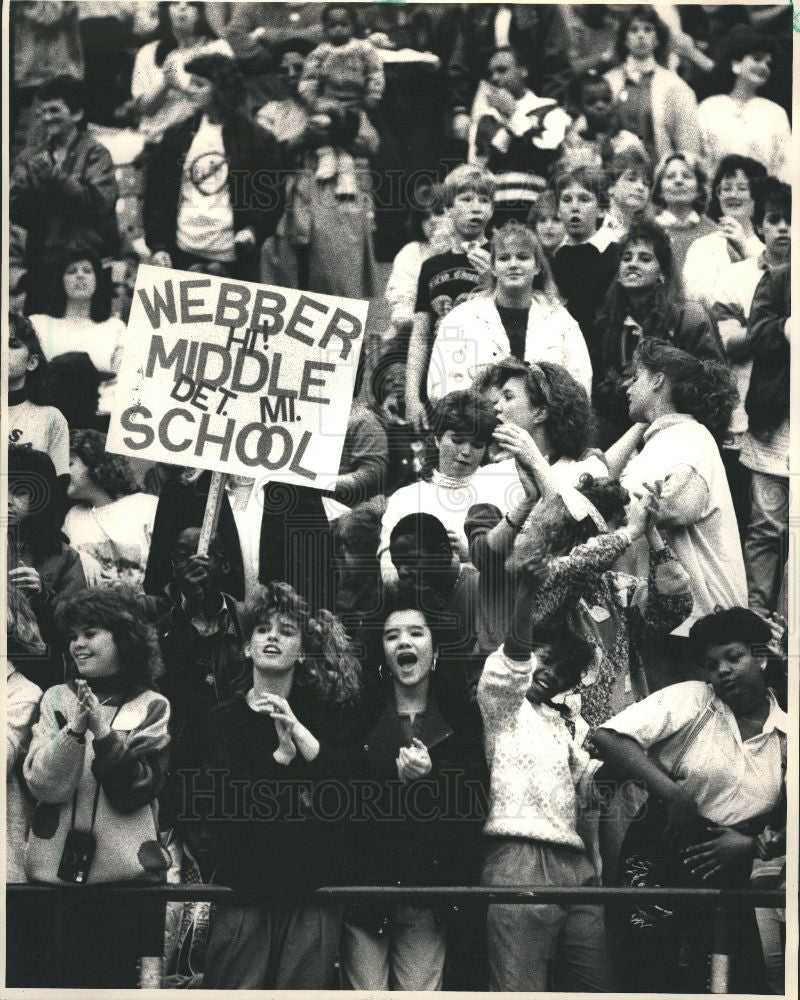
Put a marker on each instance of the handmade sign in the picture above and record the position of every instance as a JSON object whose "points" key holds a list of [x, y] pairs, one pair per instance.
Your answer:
{"points": [[237, 377]]}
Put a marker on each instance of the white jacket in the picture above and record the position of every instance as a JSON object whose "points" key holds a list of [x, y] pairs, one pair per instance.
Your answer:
{"points": [[471, 337]]}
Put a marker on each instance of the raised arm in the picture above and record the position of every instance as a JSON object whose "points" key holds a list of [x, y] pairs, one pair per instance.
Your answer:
{"points": [[416, 369]]}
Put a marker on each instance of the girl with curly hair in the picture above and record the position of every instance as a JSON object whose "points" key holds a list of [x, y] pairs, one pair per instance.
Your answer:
{"points": [[111, 520], [270, 753], [97, 761], [642, 305], [421, 734], [686, 405], [541, 403]]}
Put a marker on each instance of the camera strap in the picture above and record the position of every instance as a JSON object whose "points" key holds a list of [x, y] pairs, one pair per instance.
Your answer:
{"points": [[97, 783]]}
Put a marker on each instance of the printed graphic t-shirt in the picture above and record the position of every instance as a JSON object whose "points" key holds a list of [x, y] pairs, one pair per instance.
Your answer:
{"points": [[205, 214], [445, 280]]}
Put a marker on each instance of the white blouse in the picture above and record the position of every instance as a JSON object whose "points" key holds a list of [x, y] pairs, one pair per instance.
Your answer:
{"points": [[759, 128], [730, 779]]}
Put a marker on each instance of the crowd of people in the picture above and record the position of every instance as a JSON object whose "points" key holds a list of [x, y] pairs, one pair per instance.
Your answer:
{"points": [[537, 633]]}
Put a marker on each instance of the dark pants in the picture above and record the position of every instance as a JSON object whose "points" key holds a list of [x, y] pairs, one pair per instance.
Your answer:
{"points": [[77, 942], [244, 268], [281, 945], [739, 484]]}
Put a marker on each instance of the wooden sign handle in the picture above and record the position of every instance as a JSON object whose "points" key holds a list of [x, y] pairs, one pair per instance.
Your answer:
{"points": [[211, 514]]}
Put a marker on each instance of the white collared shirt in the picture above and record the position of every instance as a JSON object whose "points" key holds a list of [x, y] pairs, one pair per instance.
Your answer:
{"points": [[247, 514], [730, 779]]}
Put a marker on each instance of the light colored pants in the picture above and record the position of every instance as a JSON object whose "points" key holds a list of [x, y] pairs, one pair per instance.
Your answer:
{"points": [[408, 955], [766, 540], [772, 931], [552, 946]]}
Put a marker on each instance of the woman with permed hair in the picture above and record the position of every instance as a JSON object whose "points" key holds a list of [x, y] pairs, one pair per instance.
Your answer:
{"points": [[680, 193], [277, 743], [652, 102], [641, 305], [97, 761], [735, 197], [111, 520], [524, 317], [463, 425], [542, 404]]}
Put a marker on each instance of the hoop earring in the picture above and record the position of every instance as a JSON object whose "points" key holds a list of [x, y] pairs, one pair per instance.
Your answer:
{"points": [[382, 672], [433, 665]]}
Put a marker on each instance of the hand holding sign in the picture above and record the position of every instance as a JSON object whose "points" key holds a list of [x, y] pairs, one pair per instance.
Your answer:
{"points": [[237, 378]]}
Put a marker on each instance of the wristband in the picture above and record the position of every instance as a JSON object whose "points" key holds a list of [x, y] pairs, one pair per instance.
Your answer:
{"points": [[511, 524], [78, 737]]}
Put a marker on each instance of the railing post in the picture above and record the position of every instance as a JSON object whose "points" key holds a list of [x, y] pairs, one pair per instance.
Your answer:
{"points": [[720, 953], [150, 972]]}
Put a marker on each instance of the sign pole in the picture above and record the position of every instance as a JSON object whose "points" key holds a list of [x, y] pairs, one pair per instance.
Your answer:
{"points": [[211, 513]]}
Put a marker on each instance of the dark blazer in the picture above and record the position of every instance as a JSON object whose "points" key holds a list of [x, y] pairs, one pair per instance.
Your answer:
{"points": [[692, 329], [296, 544], [427, 832], [255, 180], [767, 401]]}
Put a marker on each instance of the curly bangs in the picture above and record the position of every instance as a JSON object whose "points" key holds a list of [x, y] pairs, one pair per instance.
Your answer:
{"points": [[262, 601], [118, 611], [111, 473], [329, 669], [465, 412]]}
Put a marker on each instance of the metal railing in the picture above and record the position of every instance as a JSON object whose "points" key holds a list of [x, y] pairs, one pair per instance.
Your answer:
{"points": [[721, 901]]}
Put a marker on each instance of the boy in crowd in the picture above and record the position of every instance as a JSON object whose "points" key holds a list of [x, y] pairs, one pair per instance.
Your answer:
{"points": [[583, 270], [448, 278], [62, 188], [515, 134], [733, 298], [424, 557]]}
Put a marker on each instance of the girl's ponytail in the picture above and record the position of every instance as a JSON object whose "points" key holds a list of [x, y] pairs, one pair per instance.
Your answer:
{"points": [[704, 389]]}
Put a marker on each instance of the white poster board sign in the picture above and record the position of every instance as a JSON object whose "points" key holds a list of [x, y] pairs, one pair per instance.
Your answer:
{"points": [[237, 377]]}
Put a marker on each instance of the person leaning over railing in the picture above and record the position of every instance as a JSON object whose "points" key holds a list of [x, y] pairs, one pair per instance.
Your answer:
{"points": [[712, 756]]}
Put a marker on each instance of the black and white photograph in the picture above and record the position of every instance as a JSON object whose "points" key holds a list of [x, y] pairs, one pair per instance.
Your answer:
{"points": [[400, 561]]}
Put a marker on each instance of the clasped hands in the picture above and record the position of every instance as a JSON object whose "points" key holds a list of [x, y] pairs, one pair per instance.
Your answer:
{"points": [[292, 734], [413, 762], [88, 715]]}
